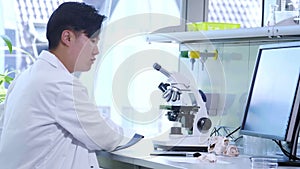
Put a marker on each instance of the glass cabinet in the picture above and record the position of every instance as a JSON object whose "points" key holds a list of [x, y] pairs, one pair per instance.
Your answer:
{"points": [[225, 78]]}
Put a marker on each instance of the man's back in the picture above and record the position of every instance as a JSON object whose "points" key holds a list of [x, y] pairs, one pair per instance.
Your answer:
{"points": [[43, 125]]}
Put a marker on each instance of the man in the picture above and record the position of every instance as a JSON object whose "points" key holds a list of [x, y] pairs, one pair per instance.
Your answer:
{"points": [[49, 121]]}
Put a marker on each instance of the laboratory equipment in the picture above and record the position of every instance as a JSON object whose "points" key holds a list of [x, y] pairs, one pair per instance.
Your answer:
{"points": [[272, 108], [272, 16], [202, 56], [193, 56], [281, 12], [187, 110]]}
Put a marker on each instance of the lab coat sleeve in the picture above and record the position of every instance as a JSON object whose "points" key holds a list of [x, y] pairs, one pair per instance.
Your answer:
{"points": [[80, 117], [1, 124], [1, 118], [2, 105]]}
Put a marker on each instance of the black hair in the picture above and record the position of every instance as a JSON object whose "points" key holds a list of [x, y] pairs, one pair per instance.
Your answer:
{"points": [[75, 16]]}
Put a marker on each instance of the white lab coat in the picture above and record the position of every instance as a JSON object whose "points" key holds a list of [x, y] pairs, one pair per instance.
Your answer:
{"points": [[49, 121]]}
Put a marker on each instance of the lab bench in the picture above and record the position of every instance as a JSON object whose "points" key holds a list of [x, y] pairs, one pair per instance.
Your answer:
{"points": [[138, 157]]}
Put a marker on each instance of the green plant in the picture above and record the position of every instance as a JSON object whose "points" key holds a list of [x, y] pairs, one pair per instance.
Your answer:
{"points": [[10, 48], [7, 42], [4, 77]]}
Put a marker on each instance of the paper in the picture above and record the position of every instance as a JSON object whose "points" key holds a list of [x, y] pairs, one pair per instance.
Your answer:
{"points": [[136, 138]]}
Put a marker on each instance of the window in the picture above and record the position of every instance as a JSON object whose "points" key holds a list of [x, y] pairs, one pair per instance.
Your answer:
{"points": [[125, 81], [248, 13]]}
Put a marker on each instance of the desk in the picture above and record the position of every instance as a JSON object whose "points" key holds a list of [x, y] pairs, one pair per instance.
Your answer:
{"points": [[137, 157]]}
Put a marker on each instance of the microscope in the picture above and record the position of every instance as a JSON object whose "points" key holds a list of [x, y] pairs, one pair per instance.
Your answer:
{"points": [[186, 109]]}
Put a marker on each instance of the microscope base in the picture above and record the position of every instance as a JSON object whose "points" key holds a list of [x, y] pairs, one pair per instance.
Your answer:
{"points": [[181, 148], [184, 143]]}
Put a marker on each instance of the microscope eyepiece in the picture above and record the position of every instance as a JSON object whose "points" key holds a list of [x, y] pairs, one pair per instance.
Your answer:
{"points": [[157, 67]]}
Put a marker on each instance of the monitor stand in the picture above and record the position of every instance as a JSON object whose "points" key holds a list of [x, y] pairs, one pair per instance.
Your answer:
{"points": [[281, 160], [293, 145], [289, 163]]}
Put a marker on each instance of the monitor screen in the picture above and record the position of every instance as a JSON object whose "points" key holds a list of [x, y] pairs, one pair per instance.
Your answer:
{"points": [[272, 106]]}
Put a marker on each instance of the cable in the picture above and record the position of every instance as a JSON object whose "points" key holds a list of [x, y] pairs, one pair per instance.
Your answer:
{"points": [[235, 140], [228, 135], [216, 131], [285, 152]]}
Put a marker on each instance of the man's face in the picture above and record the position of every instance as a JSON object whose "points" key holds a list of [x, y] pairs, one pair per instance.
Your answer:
{"points": [[85, 50]]}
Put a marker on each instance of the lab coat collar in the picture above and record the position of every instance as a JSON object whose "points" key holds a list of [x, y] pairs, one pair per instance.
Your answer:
{"points": [[52, 59]]}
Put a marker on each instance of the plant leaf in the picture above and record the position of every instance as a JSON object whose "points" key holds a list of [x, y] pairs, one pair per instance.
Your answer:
{"points": [[7, 42], [8, 79]]}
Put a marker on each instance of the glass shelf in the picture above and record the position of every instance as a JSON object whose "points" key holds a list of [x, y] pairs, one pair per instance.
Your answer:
{"points": [[248, 34]]}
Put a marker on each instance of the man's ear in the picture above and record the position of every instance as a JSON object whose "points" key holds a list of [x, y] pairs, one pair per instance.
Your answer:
{"points": [[66, 37]]}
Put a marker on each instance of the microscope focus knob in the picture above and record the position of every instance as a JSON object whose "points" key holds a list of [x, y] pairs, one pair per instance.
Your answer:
{"points": [[204, 124], [172, 115]]}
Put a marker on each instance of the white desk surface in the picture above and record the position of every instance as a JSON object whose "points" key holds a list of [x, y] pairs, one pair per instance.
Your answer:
{"points": [[139, 155]]}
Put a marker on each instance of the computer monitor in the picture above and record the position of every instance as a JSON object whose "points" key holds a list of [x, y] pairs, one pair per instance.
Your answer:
{"points": [[272, 107]]}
